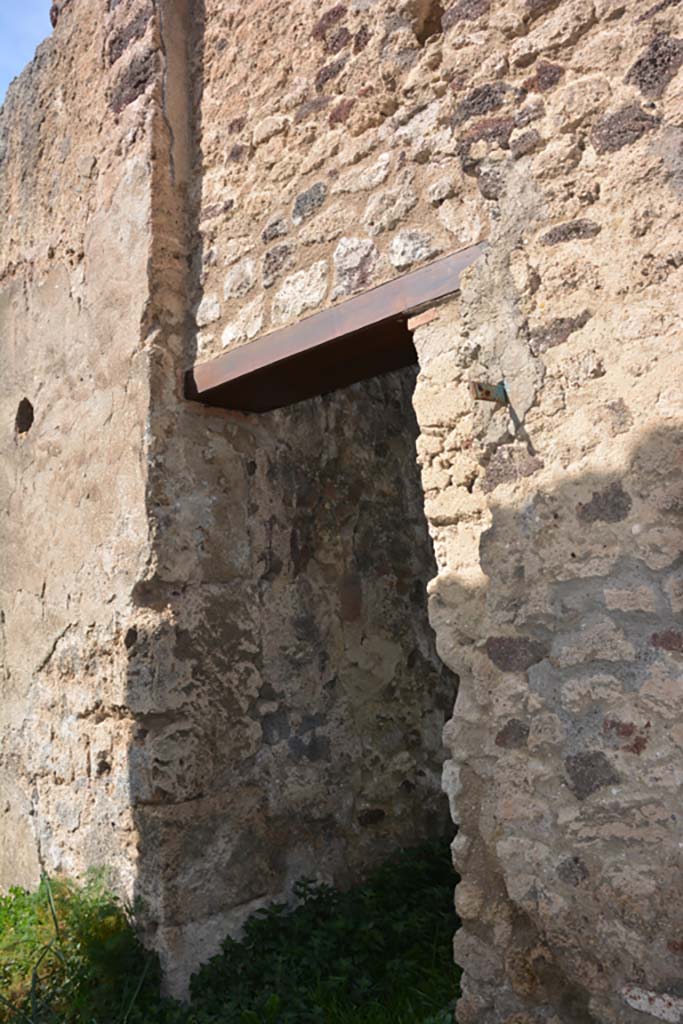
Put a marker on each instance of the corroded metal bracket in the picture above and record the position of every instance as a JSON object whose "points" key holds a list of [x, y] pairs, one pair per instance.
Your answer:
{"points": [[360, 338]]}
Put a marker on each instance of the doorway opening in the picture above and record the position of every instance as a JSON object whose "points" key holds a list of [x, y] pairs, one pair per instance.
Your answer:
{"points": [[313, 646], [354, 696]]}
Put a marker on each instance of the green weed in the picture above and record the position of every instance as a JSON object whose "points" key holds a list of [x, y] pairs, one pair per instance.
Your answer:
{"points": [[378, 953], [69, 954]]}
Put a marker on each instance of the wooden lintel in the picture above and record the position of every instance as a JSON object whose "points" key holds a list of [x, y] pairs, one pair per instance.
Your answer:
{"points": [[360, 338]]}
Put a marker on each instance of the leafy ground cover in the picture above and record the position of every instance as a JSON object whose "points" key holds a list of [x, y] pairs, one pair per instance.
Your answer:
{"points": [[378, 953]]}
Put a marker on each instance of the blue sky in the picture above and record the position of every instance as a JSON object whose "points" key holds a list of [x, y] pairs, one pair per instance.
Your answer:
{"points": [[23, 24]]}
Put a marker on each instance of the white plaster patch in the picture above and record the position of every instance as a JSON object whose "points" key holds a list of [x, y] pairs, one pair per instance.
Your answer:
{"points": [[655, 1004]]}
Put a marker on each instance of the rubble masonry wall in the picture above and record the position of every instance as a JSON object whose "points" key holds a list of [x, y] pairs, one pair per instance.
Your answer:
{"points": [[277, 158]]}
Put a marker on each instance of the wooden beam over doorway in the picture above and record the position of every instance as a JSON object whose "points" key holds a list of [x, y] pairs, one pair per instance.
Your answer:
{"points": [[360, 338]]}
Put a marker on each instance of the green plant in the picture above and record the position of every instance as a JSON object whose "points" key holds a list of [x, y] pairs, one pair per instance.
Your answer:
{"points": [[381, 951], [68, 953], [378, 953]]}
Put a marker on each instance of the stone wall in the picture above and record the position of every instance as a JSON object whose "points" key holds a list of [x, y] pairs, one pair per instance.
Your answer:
{"points": [[222, 677], [345, 145], [296, 726], [328, 159], [291, 155], [557, 532], [75, 209]]}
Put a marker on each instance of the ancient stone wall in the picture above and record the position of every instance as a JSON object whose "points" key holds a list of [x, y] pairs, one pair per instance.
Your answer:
{"points": [[75, 208], [557, 527], [296, 728], [287, 156], [239, 685], [341, 146]]}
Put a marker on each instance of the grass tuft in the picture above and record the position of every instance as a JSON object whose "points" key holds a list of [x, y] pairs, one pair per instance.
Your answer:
{"points": [[69, 953]]}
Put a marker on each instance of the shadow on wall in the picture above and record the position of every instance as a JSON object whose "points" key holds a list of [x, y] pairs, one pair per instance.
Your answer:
{"points": [[567, 741], [298, 700], [288, 698]]}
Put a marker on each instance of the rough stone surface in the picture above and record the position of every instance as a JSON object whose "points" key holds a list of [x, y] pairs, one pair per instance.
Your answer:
{"points": [[240, 280], [306, 203], [555, 599], [611, 505], [247, 324], [300, 292], [354, 262], [208, 310], [274, 262], [525, 142], [388, 209], [410, 247], [556, 332], [267, 128], [134, 79], [441, 190], [622, 128], [185, 645], [514, 654], [73, 295], [657, 1005], [276, 228], [657, 66], [570, 232], [589, 772]]}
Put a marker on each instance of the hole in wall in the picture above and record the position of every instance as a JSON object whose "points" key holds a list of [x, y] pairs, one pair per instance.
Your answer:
{"points": [[24, 418], [428, 23]]}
